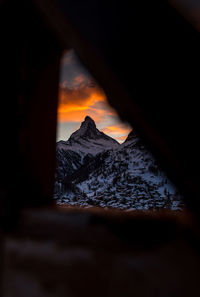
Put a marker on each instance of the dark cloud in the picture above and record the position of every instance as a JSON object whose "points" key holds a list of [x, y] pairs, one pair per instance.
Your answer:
{"points": [[72, 68]]}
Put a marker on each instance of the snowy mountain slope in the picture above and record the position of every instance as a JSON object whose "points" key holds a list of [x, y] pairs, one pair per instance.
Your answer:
{"points": [[123, 176]]}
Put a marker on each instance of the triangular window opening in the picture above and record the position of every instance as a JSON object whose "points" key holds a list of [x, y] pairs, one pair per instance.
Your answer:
{"points": [[100, 161]]}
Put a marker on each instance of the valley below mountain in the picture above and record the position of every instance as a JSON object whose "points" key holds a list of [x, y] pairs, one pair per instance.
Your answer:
{"points": [[93, 169]]}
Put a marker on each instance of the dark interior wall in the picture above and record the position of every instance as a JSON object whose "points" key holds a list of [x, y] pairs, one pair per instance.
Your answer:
{"points": [[29, 90]]}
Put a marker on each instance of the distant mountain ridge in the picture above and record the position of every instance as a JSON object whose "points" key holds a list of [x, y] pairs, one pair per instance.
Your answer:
{"points": [[94, 169]]}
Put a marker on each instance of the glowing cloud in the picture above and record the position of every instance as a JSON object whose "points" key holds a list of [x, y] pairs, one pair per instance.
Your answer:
{"points": [[119, 131], [77, 102], [80, 95]]}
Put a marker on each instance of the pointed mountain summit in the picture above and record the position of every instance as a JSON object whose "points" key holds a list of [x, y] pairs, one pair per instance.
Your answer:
{"points": [[88, 124], [88, 139], [87, 130], [89, 120]]}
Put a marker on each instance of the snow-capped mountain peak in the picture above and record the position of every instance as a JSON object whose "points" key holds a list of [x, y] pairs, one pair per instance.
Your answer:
{"points": [[88, 139], [87, 130]]}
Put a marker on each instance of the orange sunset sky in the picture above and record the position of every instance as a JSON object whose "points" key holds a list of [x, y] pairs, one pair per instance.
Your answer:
{"points": [[80, 95]]}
